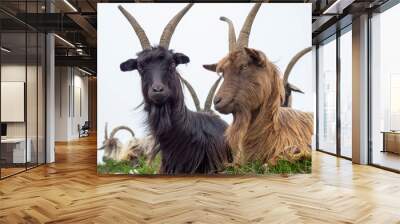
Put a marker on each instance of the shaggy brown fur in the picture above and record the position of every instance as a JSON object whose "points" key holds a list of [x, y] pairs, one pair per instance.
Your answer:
{"points": [[253, 92]]}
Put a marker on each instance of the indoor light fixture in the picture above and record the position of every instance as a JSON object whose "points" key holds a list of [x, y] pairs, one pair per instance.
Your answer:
{"points": [[70, 5], [5, 50], [84, 71], [64, 40]]}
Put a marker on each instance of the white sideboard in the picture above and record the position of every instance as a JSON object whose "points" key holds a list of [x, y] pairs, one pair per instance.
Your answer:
{"points": [[18, 146]]}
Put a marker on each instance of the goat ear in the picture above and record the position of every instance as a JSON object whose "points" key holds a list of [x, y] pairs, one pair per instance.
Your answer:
{"points": [[128, 65], [257, 56], [211, 67], [181, 58]]}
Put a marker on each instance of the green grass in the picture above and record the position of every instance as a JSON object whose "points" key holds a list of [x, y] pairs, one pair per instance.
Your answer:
{"points": [[286, 167], [125, 167], [253, 168], [282, 167]]}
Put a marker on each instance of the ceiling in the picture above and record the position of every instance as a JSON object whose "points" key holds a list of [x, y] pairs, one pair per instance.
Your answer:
{"points": [[75, 22]]}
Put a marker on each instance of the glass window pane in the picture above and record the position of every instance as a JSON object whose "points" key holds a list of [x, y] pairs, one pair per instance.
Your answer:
{"points": [[327, 97], [346, 94], [23, 90], [32, 95], [13, 89], [386, 89], [32, 88], [41, 98]]}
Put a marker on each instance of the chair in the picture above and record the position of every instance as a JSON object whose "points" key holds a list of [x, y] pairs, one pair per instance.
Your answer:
{"points": [[84, 130]]}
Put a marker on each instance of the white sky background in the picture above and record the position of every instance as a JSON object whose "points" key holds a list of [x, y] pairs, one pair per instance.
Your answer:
{"points": [[279, 30]]}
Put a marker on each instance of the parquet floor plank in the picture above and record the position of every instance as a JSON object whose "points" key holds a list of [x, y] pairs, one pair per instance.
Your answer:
{"points": [[70, 191]]}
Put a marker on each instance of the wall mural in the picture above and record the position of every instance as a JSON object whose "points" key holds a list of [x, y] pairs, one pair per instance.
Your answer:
{"points": [[153, 117]]}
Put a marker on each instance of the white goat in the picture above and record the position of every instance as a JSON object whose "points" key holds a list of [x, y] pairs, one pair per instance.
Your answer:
{"points": [[131, 151]]}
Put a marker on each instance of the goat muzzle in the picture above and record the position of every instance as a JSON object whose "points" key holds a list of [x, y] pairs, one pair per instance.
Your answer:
{"points": [[158, 96], [222, 105]]}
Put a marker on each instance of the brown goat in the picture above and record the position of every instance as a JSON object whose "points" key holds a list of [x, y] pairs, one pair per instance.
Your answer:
{"points": [[253, 92]]}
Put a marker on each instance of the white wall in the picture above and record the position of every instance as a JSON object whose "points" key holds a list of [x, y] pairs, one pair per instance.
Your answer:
{"points": [[68, 81], [17, 73], [280, 30], [79, 117], [61, 103]]}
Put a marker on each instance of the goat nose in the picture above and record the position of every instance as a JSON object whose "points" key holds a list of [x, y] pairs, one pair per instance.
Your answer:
{"points": [[158, 88], [217, 99]]}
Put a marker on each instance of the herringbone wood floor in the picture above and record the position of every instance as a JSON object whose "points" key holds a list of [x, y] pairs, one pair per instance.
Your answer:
{"points": [[70, 191]]}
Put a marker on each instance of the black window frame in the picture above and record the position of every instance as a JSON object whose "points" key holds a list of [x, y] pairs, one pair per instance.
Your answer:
{"points": [[29, 29]]}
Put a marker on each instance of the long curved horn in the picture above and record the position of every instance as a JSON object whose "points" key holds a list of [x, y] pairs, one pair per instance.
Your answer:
{"points": [[138, 106], [106, 131], [232, 35], [170, 28], [115, 130], [292, 62], [295, 88], [192, 93], [211, 93], [243, 40], [144, 41]]}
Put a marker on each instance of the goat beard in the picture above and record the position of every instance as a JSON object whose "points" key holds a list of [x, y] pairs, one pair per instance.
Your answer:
{"points": [[160, 119], [236, 133]]}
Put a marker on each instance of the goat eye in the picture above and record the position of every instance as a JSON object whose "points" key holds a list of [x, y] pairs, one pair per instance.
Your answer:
{"points": [[243, 67], [139, 68]]}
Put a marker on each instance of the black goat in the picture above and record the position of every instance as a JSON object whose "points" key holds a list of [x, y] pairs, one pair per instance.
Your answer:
{"points": [[190, 142]]}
